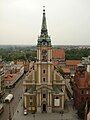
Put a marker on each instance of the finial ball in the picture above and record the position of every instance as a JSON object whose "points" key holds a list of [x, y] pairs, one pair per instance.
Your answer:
{"points": [[43, 9]]}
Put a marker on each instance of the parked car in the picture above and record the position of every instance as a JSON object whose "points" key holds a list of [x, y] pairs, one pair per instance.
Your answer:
{"points": [[25, 112], [9, 98]]}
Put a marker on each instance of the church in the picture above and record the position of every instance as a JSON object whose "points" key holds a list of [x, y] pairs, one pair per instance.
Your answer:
{"points": [[44, 86]]}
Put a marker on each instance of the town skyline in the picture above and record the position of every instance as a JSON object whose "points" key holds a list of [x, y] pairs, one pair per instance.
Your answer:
{"points": [[67, 21]]}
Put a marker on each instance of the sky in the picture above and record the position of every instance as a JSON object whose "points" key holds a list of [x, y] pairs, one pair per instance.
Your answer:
{"points": [[68, 21]]}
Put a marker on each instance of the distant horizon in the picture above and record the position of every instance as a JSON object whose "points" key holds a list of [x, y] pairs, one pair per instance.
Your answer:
{"points": [[36, 45]]}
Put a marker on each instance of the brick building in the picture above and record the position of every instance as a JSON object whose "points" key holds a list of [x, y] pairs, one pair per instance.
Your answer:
{"points": [[81, 85]]}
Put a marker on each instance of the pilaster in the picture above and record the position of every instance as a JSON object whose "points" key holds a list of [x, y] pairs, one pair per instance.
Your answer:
{"points": [[49, 73], [62, 102], [49, 109], [25, 101], [54, 75], [39, 74], [33, 78], [39, 102], [49, 55]]}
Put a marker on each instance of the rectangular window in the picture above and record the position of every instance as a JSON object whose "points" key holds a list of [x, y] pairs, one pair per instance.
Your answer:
{"points": [[30, 103], [43, 71], [82, 91], [30, 97], [44, 95], [43, 79]]}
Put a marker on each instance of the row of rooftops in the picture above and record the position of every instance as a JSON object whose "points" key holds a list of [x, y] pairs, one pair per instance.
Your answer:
{"points": [[12, 69], [57, 54]]}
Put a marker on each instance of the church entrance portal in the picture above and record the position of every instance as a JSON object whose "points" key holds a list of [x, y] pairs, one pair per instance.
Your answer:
{"points": [[44, 108]]}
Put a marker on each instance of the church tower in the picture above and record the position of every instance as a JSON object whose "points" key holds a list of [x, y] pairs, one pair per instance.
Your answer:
{"points": [[44, 54], [44, 86], [44, 62]]}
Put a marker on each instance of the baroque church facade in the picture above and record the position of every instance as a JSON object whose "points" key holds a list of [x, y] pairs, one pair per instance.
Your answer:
{"points": [[44, 86]]}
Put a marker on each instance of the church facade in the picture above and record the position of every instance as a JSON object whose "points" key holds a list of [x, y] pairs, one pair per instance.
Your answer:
{"points": [[44, 86]]}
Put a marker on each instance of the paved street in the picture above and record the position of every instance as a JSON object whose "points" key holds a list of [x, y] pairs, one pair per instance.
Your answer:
{"points": [[17, 91], [69, 114]]}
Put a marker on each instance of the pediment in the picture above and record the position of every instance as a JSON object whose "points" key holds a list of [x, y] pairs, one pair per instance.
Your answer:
{"points": [[44, 87]]}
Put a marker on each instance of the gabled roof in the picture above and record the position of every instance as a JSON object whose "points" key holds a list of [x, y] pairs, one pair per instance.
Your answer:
{"points": [[43, 86], [72, 62], [58, 53]]}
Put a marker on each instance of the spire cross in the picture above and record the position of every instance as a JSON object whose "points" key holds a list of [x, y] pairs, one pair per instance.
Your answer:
{"points": [[43, 9]]}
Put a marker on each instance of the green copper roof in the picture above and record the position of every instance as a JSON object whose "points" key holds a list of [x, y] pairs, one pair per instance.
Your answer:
{"points": [[57, 89], [44, 25], [32, 89], [44, 39]]}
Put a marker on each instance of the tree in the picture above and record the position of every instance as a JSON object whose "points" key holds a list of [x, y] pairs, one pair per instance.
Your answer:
{"points": [[60, 70], [81, 110], [77, 54]]}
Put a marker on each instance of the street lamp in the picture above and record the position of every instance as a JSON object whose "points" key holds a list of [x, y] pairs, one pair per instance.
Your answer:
{"points": [[61, 112], [34, 116]]}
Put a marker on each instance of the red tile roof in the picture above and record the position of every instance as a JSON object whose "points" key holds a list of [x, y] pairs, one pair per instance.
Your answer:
{"points": [[72, 62], [66, 70], [9, 77], [58, 53]]}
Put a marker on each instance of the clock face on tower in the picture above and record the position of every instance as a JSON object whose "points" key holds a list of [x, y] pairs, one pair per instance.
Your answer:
{"points": [[44, 42], [44, 55]]}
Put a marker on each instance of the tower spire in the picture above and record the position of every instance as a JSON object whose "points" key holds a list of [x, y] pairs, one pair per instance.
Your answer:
{"points": [[44, 26]]}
